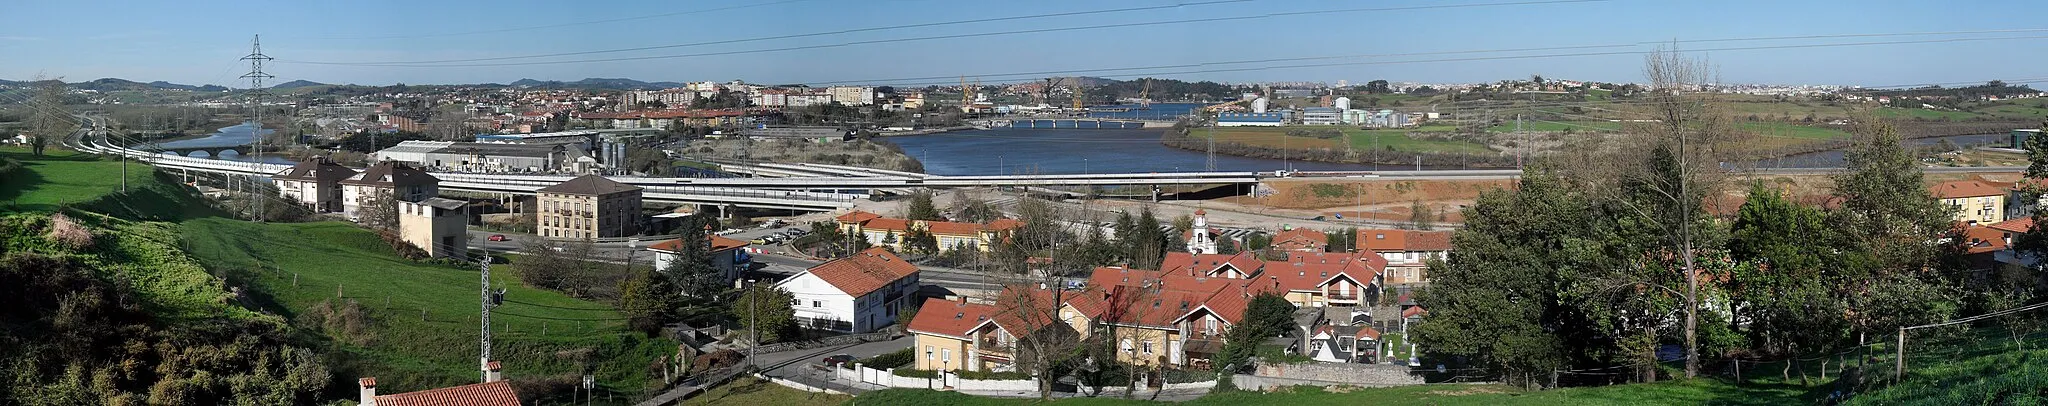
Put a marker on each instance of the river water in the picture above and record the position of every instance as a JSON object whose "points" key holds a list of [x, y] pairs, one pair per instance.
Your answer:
{"points": [[235, 135], [1075, 151]]}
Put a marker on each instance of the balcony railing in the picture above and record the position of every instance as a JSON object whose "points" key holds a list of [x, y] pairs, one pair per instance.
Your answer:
{"points": [[1343, 296]]}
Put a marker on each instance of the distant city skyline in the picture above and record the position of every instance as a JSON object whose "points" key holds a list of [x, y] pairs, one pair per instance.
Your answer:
{"points": [[1881, 43]]}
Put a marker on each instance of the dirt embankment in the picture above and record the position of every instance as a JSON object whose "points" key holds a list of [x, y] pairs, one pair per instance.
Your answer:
{"points": [[1375, 199]]}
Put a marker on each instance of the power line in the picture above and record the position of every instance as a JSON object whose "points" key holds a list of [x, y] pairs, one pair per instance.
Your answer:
{"points": [[550, 26], [439, 64], [790, 36]]}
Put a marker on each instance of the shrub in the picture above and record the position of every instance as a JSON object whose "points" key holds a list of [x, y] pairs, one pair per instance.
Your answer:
{"points": [[915, 373], [994, 376], [716, 359], [1327, 190], [1188, 376], [895, 359], [68, 232]]}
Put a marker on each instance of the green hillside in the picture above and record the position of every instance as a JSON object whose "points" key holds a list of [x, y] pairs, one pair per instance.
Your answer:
{"points": [[186, 265]]}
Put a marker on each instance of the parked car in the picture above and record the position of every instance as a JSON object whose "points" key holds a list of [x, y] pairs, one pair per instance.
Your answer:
{"points": [[498, 237], [839, 359], [797, 231]]}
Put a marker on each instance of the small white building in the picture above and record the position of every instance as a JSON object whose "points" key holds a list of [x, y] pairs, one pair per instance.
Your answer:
{"points": [[856, 294]]}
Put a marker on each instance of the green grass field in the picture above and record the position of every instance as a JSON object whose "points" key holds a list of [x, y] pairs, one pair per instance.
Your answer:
{"points": [[62, 177], [1778, 129], [1922, 114], [748, 391], [295, 266], [1559, 126], [1360, 139]]}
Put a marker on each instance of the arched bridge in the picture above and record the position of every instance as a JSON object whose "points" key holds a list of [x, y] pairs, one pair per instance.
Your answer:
{"points": [[211, 152]]}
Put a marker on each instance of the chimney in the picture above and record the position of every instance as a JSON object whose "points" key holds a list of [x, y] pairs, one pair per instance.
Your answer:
{"points": [[492, 372], [368, 386]]}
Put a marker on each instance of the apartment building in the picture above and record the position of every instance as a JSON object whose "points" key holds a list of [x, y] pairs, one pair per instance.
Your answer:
{"points": [[587, 207]]}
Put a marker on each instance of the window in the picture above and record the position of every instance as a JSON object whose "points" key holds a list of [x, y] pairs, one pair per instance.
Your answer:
{"points": [[1148, 346], [945, 354], [1127, 345], [927, 353], [796, 302], [815, 303]]}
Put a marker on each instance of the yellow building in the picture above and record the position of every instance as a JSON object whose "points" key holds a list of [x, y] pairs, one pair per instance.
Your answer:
{"points": [[1973, 201], [587, 207], [889, 231]]}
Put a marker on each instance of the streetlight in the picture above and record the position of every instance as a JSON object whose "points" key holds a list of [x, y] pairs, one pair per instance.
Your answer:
{"points": [[927, 359]]}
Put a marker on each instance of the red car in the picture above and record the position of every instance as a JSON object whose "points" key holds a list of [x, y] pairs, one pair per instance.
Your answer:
{"points": [[498, 237], [837, 360]]}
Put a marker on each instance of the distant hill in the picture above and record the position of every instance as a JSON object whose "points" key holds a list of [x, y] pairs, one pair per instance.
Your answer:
{"points": [[595, 83], [112, 84], [297, 84]]}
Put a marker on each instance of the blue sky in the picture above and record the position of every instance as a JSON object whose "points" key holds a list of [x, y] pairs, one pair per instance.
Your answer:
{"points": [[199, 42]]}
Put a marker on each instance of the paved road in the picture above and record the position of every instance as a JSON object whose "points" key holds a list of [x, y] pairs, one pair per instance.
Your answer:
{"points": [[780, 363]]}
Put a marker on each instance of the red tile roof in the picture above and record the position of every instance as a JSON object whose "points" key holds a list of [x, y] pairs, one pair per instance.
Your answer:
{"points": [[1984, 239], [1414, 311], [1379, 240], [1300, 239], [857, 217], [718, 243], [952, 228], [864, 272], [887, 224], [2017, 225], [1965, 188], [1368, 333], [481, 394], [1003, 224], [948, 317], [1207, 264]]}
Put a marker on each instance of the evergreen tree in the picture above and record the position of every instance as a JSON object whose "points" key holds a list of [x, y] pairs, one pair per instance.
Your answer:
{"points": [[766, 309], [1505, 299], [1895, 232], [921, 207]]}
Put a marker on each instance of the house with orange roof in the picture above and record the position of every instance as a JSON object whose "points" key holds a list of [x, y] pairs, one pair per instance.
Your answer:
{"points": [[1407, 252], [1972, 201], [1301, 239], [856, 294], [2009, 232], [728, 255], [494, 391]]}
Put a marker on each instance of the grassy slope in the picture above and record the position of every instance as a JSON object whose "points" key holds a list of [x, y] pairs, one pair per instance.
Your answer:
{"points": [[748, 391], [407, 353], [411, 353], [1980, 368]]}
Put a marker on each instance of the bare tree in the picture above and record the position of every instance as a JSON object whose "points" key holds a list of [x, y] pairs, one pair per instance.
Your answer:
{"points": [[50, 118], [1689, 137]]}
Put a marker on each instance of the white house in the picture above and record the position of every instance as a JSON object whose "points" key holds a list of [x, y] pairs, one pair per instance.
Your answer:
{"points": [[856, 294], [727, 255]]}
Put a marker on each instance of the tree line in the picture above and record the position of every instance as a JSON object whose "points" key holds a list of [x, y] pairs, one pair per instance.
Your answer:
{"points": [[1601, 258]]}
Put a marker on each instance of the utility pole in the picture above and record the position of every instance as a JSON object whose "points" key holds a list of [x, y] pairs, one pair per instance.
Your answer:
{"points": [[488, 301], [256, 93]]}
